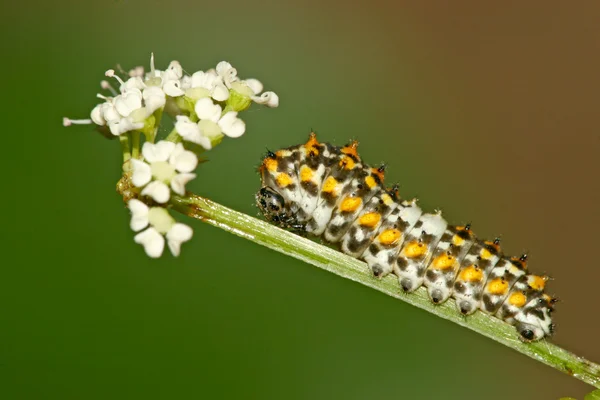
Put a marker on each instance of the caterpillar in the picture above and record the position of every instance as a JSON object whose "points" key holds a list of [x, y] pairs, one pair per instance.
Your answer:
{"points": [[327, 191]]}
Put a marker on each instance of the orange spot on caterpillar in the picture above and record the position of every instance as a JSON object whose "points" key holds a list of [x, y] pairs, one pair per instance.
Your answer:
{"points": [[370, 181], [270, 164], [390, 237], [306, 174], [414, 249], [329, 185], [471, 274], [311, 146], [350, 204], [351, 149], [443, 262], [284, 180], [497, 286], [536, 282], [517, 299], [370, 219]]}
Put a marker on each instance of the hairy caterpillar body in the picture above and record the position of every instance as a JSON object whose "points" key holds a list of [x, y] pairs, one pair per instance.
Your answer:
{"points": [[327, 191]]}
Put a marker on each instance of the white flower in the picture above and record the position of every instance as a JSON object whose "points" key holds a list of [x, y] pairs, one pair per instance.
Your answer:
{"points": [[249, 87], [143, 94], [211, 122], [173, 88], [161, 224], [226, 71], [190, 131], [154, 98], [169, 164], [205, 84], [129, 101], [269, 99]]}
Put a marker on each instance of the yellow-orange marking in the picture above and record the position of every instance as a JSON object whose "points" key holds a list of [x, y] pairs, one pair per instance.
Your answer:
{"points": [[471, 274], [497, 286], [283, 153], [380, 173], [370, 181], [351, 149], [271, 164], [443, 262], [284, 180], [485, 254], [329, 185], [387, 199], [370, 220], [536, 282], [517, 299], [414, 249], [306, 174], [347, 163], [457, 240], [311, 147], [390, 237], [350, 204], [495, 245]]}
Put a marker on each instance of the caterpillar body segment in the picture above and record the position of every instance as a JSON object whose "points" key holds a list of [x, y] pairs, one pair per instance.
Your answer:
{"points": [[320, 189]]}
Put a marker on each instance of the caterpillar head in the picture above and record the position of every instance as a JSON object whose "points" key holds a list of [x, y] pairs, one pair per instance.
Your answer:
{"points": [[275, 210]]}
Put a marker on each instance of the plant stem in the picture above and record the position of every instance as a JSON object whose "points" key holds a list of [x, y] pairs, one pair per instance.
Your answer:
{"points": [[124, 140], [135, 144], [334, 261], [173, 136]]}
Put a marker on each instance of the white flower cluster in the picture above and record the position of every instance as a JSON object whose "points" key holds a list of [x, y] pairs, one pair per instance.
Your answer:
{"points": [[205, 106], [206, 103], [166, 166]]}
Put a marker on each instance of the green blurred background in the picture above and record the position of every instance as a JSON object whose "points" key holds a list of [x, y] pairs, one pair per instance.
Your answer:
{"points": [[486, 111]]}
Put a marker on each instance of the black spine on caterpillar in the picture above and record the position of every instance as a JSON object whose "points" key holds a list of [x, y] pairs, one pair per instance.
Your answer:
{"points": [[319, 189]]}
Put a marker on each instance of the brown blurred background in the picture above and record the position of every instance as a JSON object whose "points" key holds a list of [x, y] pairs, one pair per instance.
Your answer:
{"points": [[486, 110]]}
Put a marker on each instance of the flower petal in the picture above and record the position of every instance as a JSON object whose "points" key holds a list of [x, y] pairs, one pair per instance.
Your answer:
{"points": [[183, 160], [178, 234], [223, 67], [96, 115], [109, 112], [202, 141], [231, 125], [186, 82], [142, 174], [160, 151], [220, 92], [153, 242], [186, 128], [139, 214], [154, 98], [173, 88], [127, 102], [174, 71], [203, 80], [255, 85], [269, 99], [206, 109], [179, 181], [135, 82], [158, 191]]}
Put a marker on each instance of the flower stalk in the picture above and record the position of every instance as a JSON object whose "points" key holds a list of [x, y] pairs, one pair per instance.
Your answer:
{"points": [[323, 257]]}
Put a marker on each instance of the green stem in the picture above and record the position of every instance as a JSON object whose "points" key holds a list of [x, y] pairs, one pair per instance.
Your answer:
{"points": [[124, 139], [174, 136], [135, 144], [334, 261]]}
